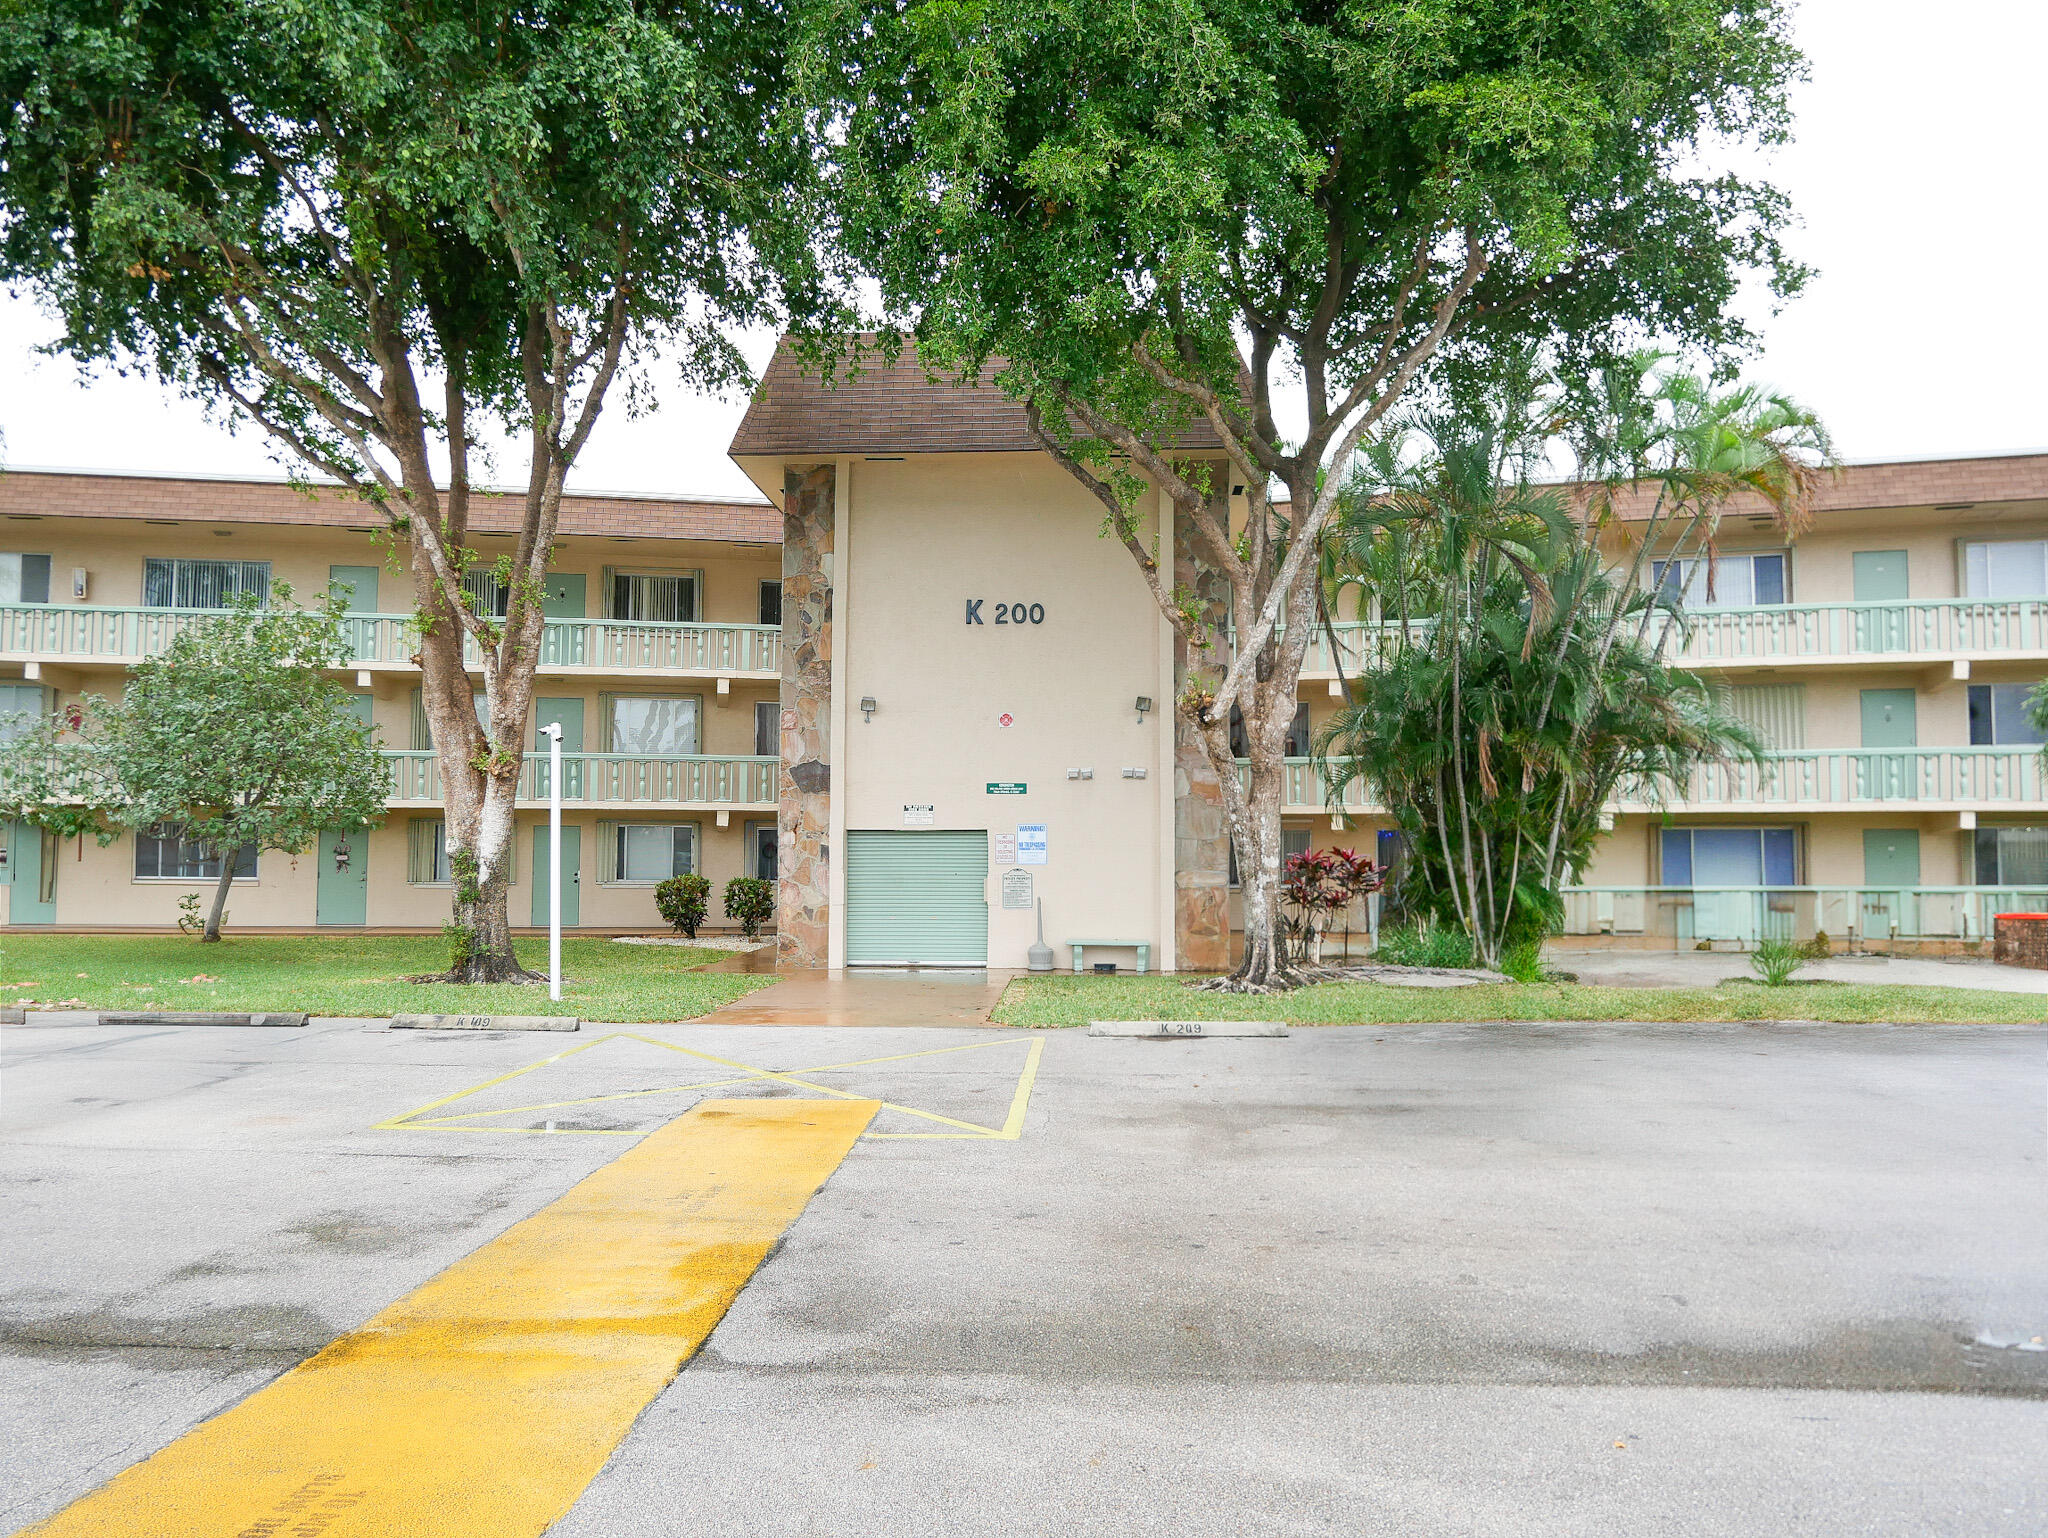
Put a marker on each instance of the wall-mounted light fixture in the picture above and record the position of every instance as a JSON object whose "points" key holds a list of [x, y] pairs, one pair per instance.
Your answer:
{"points": [[867, 707], [1144, 704]]}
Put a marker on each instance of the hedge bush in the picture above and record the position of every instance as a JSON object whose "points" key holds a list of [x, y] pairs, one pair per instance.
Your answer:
{"points": [[750, 900], [683, 901]]}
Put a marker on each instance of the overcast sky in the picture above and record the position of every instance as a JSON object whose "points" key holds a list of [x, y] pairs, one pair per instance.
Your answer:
{"points": [[1918, 172]]}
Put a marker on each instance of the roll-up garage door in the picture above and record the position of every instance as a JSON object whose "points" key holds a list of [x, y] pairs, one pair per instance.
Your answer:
{"points": [[917, 898]]}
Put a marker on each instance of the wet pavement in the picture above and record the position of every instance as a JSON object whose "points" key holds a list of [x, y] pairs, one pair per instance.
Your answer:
{"points": [[1467, 1279]]}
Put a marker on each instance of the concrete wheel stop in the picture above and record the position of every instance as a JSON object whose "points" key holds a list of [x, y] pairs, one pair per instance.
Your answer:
{"points": [[485, 1023], [195, 1017], [1171, 1030]]}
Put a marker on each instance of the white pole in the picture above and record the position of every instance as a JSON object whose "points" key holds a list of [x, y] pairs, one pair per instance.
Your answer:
{"points": [[554, 731]]}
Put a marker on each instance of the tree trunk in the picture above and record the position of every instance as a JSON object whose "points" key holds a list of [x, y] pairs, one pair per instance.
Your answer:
{"points": [[481, 865], [211, 934]]}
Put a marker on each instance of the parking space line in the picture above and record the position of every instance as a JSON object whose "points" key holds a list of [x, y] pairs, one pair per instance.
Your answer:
{"points": [[481, 1404]]}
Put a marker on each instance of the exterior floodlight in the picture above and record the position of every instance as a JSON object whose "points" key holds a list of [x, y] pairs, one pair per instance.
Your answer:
{"points": [[867, 707], [1144, 704]]}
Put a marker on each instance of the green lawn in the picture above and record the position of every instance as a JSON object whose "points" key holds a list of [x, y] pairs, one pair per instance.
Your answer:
{"points": [[359, 975], [1061, 1001]]}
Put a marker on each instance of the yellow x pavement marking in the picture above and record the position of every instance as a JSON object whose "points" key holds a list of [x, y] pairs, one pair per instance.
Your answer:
{"points": [[417, 1120]]}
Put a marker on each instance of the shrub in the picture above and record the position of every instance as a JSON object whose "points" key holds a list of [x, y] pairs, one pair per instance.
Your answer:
{"points": [[1427, 944], [1523, 961], [1819, 948], [683, 901], [1776, 960], [751, 901]]}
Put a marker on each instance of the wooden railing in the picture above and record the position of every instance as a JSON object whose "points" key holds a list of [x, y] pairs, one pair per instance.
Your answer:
{"points": [[611, 779], [1746, 914], [81, 632]]}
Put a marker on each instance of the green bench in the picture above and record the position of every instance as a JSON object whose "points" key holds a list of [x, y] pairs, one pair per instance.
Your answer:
{"points": [[1142, 947]]}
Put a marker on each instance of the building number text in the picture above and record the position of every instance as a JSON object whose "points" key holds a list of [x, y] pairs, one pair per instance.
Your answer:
{"points": [[1007, 613]]}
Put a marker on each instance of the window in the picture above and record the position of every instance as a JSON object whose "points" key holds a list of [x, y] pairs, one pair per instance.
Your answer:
{"points": [[163, 853], [1297, 734], [653, 723], [24, 579], [652, 595], [1736, 581], [20, 705], [1729, 857], [651, 851], [191, 584], [2005, 568], [1293, 841], [426, 853], [767, 728], [488, 595], [1999, 715], [761, 847], [2012, 857], [771, 603]]}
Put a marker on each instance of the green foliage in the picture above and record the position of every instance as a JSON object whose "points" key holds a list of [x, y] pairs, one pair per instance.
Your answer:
{"points": [[1774, 961], [1425, 944], [1819, 948], [750, 901], [683, 902], [190, 920], [1523, 961]]}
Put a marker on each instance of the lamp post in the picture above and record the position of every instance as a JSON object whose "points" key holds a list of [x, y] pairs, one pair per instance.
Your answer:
{"points": [[554, 735]]}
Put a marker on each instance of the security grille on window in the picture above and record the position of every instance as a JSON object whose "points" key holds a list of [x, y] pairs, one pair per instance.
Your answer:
{"points": [[665, 725], [1999, 716], [177, 583], [654, 851], [163, 853], [24, 578], [652, 595], [2005, 568], [2012, 857], [1734, 582]]}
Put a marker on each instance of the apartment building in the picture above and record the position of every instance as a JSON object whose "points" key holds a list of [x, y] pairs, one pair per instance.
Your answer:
{"points": [[661, 660]]}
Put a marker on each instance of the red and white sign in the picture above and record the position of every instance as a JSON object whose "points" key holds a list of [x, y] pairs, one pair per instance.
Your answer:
{"points": [[1005, 719]]}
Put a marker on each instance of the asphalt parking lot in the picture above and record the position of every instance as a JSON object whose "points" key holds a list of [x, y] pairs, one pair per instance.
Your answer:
{"points": [[1464, 1279]]}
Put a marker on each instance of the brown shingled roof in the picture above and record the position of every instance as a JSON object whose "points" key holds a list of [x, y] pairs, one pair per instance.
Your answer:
{"points": [[891, 409], [66, 494], [1914, 483]]}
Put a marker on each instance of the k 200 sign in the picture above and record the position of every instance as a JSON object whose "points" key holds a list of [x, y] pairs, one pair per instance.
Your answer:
{"points": [[1005, 613]]}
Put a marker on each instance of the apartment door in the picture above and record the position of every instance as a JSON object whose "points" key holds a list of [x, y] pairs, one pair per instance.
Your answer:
{"points": [[1880, 578], [1891, 869], [1890, 720], [341, 886], [562, 597], [567, 714], [30, 873], [917, 899], [572, 875], [356, 587]]}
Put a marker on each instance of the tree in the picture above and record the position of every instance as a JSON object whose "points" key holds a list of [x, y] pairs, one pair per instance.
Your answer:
{"points": [[234, 738], [375, 228], [1530, 687], [1276, 218]]}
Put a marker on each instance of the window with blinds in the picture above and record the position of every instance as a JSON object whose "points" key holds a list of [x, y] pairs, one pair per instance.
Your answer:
{"points": [[178, 583], [426, 853], [1775, 712], [487, 592], [629, 852], [653, 595], [164, 853]]}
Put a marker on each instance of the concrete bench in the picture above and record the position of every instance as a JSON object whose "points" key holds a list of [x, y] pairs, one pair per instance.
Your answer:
{"points": [[1142, 947]]}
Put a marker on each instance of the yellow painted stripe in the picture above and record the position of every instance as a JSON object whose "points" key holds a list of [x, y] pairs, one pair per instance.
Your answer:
{"points": [[480, 1405]]}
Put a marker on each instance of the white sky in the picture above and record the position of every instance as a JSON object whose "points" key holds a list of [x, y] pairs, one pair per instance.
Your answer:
{"points": [[1917, 170]]}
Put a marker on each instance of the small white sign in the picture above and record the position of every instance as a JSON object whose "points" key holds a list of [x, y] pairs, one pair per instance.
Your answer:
{"points": [[1030, 843], [1017, 889], [919, 814], [1003, 848]]}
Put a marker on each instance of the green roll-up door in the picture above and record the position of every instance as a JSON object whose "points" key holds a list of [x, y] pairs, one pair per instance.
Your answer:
{"points": [[917, 898]]}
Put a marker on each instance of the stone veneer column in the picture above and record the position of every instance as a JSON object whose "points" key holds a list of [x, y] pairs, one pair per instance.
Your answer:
{"points": [[1201, 838], [803, 881]]}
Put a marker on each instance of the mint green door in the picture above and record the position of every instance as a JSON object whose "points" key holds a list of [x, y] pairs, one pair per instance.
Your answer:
{"points": [[1890, 720], [567, 714], [562, 598], [1880, 577], [917, 898], [341, 886], [31, 874], [572, 875], [356, 587], [1891, 868]]}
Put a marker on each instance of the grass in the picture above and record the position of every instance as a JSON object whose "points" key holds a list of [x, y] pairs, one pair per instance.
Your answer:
{"points": [[1063, 1001], [358, 975]]}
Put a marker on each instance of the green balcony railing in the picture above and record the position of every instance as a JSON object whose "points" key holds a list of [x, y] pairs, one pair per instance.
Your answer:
{"points": [[1687, 915], [611, 779], [81, 632], [1991, 777]]}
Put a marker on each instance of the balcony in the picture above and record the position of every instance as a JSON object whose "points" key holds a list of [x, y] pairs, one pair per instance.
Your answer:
{"points": [[1929, 630], [81, 634], [1684, 916], [1829, 779], [611, 780]]}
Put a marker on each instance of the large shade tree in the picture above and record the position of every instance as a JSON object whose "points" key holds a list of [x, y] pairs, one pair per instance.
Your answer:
{"points": [[1275, 218], [384, 230]]}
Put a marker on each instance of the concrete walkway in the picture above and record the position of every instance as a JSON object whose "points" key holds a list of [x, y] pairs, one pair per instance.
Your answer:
{"points": [[1703, 969], [813, 996]]}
